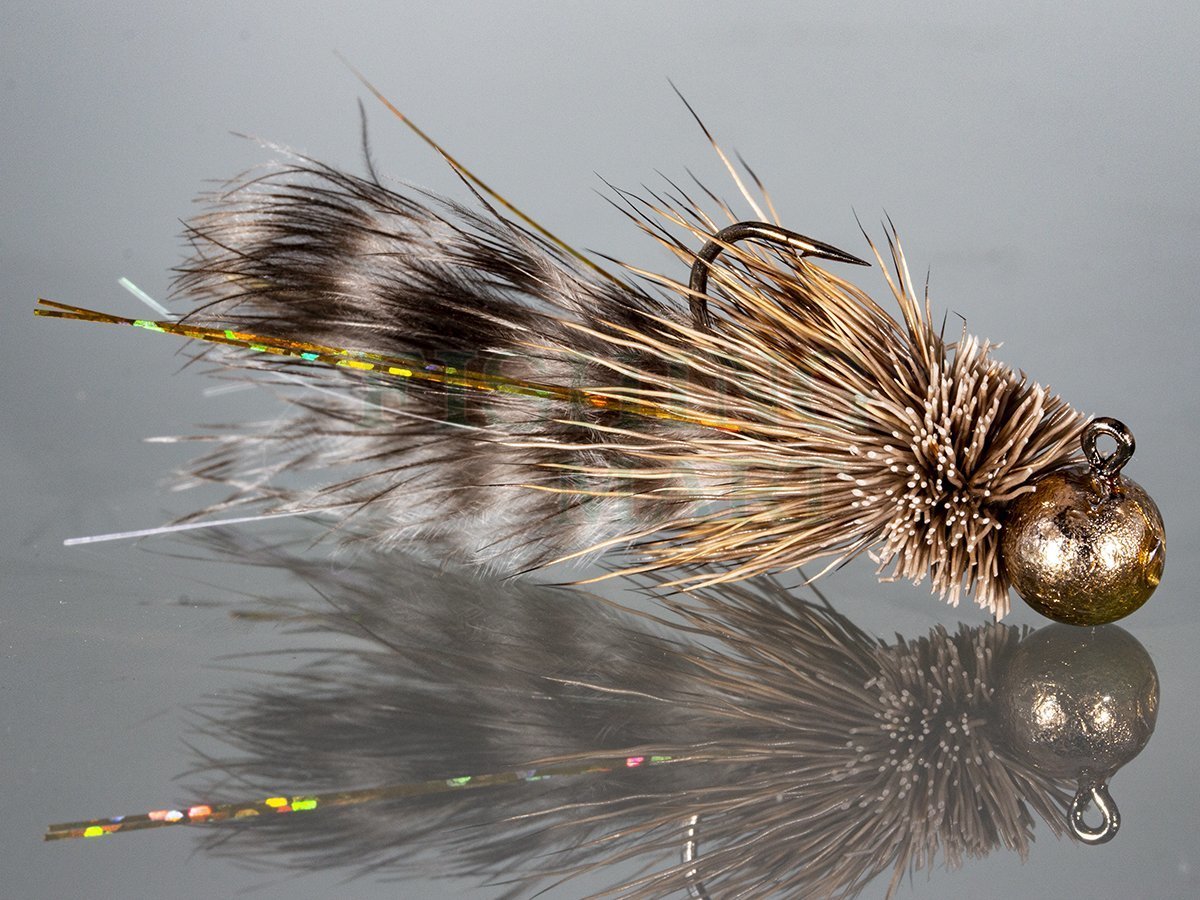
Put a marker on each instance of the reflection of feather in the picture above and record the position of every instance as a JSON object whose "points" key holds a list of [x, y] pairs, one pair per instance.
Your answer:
{"points": [[815, 756]]}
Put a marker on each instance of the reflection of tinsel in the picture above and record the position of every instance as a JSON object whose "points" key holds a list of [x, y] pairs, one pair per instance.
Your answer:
{"points": [[815, 756]]}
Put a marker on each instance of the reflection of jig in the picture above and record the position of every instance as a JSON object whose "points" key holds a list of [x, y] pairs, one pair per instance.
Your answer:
{"points": [[1080, 704], [770, 739], [1075, 704]]}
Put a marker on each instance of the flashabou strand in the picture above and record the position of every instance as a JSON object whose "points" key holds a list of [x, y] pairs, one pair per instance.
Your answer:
{"points": [[205, 813], [180, 526], [146, 298], [391, 367]]}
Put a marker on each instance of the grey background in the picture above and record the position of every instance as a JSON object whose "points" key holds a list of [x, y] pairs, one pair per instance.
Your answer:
{"points": [[1042, 164]]}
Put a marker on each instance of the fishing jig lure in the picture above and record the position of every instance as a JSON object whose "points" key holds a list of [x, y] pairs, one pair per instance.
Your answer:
{"points": [[478, 384]]}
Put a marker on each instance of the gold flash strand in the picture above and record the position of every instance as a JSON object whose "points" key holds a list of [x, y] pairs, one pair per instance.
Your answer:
{"points": [[393, 367]]}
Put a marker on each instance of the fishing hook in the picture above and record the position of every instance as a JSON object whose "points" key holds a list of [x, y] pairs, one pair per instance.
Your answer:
{"points": [[759, 231]]}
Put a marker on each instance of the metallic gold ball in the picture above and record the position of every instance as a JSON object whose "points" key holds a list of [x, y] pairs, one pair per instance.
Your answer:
{"points": [[1084, 549], [1075, 702]]}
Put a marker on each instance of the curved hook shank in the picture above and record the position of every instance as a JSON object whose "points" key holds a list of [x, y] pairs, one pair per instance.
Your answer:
{"points": [[759, 231], [1110, 816]]}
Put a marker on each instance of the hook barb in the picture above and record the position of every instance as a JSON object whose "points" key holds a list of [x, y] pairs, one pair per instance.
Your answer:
{"points": [[758, 231]]}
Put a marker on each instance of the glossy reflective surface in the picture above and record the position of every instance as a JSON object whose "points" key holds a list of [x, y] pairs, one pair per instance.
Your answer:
{"points": [[1039, 164], [526, 729]]}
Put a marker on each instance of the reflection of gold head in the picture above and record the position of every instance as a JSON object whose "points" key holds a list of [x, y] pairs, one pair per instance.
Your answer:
{"points": [[1079, 704], [1086, 546], [1073, 700]]}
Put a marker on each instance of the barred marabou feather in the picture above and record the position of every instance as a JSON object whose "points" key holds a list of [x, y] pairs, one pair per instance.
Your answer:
{"points": [[807, 424]]}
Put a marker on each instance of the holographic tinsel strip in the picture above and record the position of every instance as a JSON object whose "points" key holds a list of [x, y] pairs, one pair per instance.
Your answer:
{"points": [[381, 365]]}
